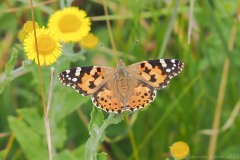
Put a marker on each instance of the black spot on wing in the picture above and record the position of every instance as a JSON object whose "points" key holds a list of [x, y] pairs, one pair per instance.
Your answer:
{"points": [[146, 70], [98, 69], [91, 84], [153, 79], [142, 65]]}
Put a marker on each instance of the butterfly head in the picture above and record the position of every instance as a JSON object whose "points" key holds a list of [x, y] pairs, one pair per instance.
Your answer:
{"points": [[121, 71], [121, 63]]}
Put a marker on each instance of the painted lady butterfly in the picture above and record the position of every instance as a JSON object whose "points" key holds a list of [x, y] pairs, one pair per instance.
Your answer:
{"points": [[122, 88]]}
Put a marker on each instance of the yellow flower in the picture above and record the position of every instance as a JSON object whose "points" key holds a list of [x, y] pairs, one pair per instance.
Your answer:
{"points": [[89, 41], [70, 24], [21, 35], [28, 26], [179, 150], [49, 47]]}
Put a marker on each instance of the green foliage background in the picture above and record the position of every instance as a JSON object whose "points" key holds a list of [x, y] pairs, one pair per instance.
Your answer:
{"points": [[179, 112]]}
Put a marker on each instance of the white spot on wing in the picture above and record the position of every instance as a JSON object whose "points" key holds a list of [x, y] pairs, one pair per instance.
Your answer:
{"points": [[163, 63], [67, 71], [168, 70], [78, 70], [74, 79], [173, 60]]}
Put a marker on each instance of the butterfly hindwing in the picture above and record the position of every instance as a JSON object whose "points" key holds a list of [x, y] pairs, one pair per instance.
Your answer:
{"points": [[86, 80], [106, 98], [156, 73], [138, 96], [142, 94]]}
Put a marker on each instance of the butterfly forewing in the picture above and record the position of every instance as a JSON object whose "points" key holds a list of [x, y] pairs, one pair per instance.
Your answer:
{"points": [[86, 80], [156, 73]]}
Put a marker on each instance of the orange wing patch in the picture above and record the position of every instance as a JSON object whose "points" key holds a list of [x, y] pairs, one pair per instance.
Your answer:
{"points": [[105, 99], [90, 80], [157, 76], [152, 74], [88, 83], [143, 94]]}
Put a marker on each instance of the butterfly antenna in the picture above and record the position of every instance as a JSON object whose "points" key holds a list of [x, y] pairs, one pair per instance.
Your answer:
{"points": [[130, 50], [133, 45], [100, 45]]}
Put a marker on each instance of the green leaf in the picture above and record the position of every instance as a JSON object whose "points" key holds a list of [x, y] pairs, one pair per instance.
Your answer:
{"points": [[36, 122], [9, 23], [102, 156], [66, 154], [64, 104], [32, 117], [95, 134], [33, 145], [6, 78], [3, 154], [79, 152], [96, 130], [60, 133], [65, 3], [4, 83], [96, 121], [11, 63], [117, 118], [65, 101]]}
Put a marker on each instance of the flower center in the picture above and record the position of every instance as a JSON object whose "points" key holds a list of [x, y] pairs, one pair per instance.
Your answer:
{"points": [[46, 45], [69, 23]]}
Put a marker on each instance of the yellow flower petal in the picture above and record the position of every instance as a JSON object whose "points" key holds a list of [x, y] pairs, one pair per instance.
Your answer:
{"points": [[21, 35], [28, 26], [179, 150], [89, 41], [70, 24], [49, 47]]}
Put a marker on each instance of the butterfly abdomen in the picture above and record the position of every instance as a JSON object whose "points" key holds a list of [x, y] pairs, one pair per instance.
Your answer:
{"points": [[121, 80]]}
